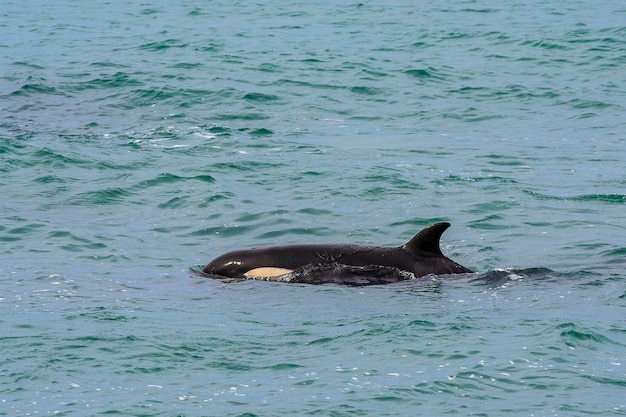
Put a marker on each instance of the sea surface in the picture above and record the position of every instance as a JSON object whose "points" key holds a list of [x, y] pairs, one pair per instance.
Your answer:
{"points": [[140, 139]]}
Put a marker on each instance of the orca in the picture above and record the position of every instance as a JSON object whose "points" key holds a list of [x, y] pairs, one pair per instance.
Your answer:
{"points": [[340, 263]]}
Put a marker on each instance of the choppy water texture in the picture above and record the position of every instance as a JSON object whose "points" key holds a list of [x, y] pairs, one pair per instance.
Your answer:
{"points": [[139, 140]]}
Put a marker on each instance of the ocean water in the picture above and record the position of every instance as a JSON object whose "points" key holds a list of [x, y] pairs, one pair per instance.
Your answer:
{"points": [[139, 140]]}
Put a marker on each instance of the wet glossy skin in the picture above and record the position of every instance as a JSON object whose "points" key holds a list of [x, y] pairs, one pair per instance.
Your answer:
{"points": [[420, 256]]}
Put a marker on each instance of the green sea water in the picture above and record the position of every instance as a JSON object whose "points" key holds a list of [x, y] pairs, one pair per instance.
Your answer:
{"points": [[140, 140]]}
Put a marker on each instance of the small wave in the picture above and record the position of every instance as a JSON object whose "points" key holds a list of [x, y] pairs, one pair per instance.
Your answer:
{"points": [[117, 80], [181, 97], [260, 97], [489, 222], [56, 159], [489, 179], [424, 74], [28, 65], [105, 314], [224, 231], [50, 179], [161, 45], [22, 232], [307, 231], [261, 132], [543, 44], [102, 197], [605, 198], [35, 88], [617, 252], [574, 335], [588, 104], [245, 165], [167, 178], [502, 276], [602, 198], [366, 91]]}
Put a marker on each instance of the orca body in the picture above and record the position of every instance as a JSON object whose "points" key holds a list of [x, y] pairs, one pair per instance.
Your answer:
{"points": [[340, 263]]}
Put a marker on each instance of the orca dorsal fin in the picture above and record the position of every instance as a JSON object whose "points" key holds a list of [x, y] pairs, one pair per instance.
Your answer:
{"points": [[427, 240]]}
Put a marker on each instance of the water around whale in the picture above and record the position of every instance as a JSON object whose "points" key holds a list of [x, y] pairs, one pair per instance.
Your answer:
{"points": [[139, 139]]}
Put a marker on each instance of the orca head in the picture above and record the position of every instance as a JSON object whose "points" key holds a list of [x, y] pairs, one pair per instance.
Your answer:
{"points": [[246, 264], [226, 265]]}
